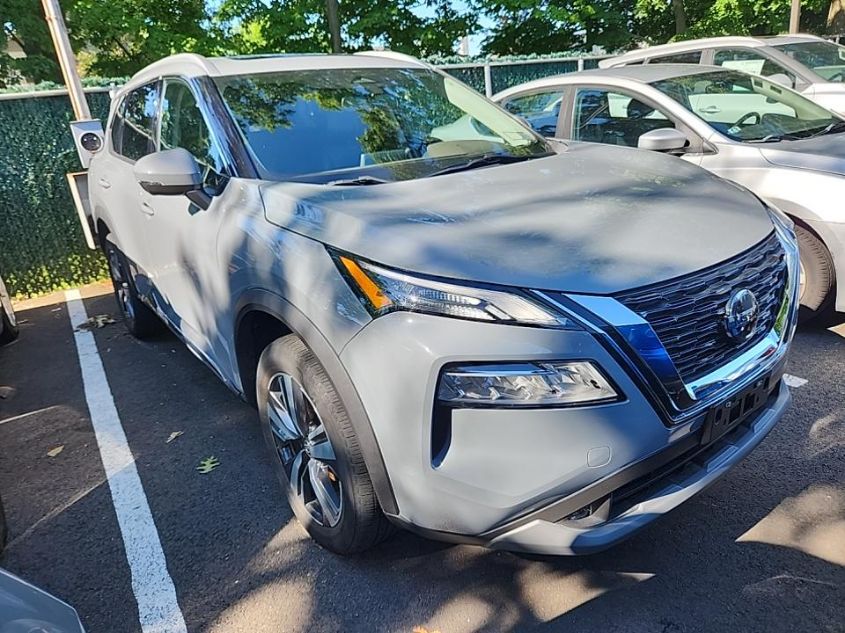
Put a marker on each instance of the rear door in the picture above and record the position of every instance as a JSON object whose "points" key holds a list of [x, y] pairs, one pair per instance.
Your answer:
{"points": [[113, 185]]}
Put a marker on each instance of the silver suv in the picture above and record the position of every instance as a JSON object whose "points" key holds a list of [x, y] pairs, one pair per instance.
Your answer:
{"points": [[446, 322]]}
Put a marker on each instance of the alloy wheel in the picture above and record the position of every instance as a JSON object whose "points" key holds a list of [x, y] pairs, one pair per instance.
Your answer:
{"points": [[121, 285], [304, 448]]}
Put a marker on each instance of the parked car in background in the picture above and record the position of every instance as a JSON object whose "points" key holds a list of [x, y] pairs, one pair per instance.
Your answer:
{"points": [[8, 321], [445, 320], [24, 608], [785, 148], [809, 64]]}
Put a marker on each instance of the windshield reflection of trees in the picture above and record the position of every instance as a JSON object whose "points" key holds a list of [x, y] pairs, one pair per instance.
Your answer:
{"points": [[398, 108]]}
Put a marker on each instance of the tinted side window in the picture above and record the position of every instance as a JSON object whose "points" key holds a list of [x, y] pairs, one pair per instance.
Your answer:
{"points": [[602, 116], [539, 109], [182, 125], [117, 126], [137, 120], [750, 62], [692, 57]]}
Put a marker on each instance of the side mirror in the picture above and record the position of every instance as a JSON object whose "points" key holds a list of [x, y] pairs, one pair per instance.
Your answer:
{"points": [[782, 79], [666, 139], [173, 172]]}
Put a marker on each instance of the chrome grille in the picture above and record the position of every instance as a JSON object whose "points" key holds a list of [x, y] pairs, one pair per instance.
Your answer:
{"points": [[688, 313]]}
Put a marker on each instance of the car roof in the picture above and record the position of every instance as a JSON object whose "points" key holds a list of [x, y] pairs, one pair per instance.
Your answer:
{"points": [[640, 74], [710, 42], [192, 65]]}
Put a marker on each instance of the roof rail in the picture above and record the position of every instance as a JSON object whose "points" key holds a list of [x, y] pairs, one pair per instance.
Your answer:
{"points": [[402, 57]]}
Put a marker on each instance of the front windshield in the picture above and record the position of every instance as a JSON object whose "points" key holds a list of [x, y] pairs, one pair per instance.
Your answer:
{"points": [[390, 123], [748, 108], [826, 59]]}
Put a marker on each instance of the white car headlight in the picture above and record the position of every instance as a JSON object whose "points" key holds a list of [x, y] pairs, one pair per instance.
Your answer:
{"points": [[383, 290]]}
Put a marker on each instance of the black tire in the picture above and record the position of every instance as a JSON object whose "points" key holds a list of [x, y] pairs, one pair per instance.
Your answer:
{"points": [[9, 327], [361, 523], [819, 275], [141, 321]]}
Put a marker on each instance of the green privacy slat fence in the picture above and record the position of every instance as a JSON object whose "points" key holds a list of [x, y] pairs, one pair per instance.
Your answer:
{"points": [[41, 243]]}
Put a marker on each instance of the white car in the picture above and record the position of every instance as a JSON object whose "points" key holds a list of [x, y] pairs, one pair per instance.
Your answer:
{"points": [[785, 148], [809, 64]]}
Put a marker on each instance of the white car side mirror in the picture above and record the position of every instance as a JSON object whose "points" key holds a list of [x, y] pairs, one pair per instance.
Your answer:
{"points": [[665, 139]]}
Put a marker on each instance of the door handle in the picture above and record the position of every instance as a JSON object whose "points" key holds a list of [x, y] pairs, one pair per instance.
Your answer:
{"points": [[147, 209], [711, 110], [105, 184]]}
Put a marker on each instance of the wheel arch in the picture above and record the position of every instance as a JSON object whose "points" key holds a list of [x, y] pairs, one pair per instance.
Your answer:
{"points": [[261, 317]]}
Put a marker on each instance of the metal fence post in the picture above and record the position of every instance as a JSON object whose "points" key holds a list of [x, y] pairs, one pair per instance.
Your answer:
{"points": [[488, 79], [580, 63]]}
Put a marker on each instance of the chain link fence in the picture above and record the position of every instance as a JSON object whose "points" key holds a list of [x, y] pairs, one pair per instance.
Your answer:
{"points": [[41, 243]]}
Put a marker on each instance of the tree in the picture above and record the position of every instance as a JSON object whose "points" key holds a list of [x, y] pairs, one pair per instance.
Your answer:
{"points": [[127, 35], [528, 26], [23, 25]]}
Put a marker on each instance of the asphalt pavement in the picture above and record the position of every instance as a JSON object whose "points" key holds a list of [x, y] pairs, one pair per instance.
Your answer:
{"points": [[761, 550]]}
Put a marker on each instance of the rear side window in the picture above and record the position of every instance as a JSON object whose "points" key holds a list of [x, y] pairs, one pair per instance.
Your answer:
{"points": [[539, 109], [691, 57], [133, 129]]}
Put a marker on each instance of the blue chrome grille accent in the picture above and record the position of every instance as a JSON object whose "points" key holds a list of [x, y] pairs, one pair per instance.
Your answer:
{"points": [[688, 313]]}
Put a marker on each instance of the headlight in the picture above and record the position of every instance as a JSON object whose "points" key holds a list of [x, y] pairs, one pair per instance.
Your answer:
{"points": [[383, 290], [525, 385]]}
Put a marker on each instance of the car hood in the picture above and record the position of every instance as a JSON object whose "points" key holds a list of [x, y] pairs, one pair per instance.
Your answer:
{"points": [[823, 153], [594, 219]]}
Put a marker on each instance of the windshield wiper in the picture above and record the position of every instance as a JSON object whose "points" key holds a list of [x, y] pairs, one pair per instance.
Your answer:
{"points": [[359, 181], [833, 128], [483, 161]]}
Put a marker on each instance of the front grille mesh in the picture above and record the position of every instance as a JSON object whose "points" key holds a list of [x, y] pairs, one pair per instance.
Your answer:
{"points": [[687, 313]]}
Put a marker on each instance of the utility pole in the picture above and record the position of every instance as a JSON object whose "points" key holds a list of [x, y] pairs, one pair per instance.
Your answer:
{"points": [[795, 16], [67, 61], [334, 24]]}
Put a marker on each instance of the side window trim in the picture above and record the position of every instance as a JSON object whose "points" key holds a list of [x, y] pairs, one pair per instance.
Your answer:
{"points": [[697, 144]]}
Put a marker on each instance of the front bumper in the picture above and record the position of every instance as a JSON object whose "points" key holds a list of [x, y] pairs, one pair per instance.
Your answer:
{"points": [[693, 474]]}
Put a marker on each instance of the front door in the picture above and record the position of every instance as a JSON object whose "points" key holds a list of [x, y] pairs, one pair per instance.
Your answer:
{"points": [[191, 289]]}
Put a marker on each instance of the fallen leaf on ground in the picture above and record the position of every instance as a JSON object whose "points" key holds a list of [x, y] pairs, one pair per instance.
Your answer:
{"points": [[55, 451], [208, 464], [98, 321], [173, 436], [422, 629]]}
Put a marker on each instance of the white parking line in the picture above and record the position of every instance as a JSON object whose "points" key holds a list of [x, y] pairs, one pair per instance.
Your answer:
{"points": [[158, 608]]}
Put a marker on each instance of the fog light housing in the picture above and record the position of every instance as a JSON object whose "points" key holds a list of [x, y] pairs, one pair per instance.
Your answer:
{"points": [[540, 384]]}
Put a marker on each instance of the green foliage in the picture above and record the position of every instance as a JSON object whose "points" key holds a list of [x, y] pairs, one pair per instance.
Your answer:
{"points": [[530, 26], [22, 24], [129, 34], [41, 242]]}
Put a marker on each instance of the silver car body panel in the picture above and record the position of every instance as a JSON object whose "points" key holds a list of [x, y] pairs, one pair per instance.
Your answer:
{"points": [[591, 220], [804, 178], [829, 94], [25, 608]]}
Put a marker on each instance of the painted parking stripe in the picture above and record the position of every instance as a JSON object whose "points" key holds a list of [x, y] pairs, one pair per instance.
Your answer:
{"points": [[158, 608]]}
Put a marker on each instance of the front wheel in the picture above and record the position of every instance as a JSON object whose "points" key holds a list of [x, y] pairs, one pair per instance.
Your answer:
{"points": [[315, 450], [818, 278]]}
